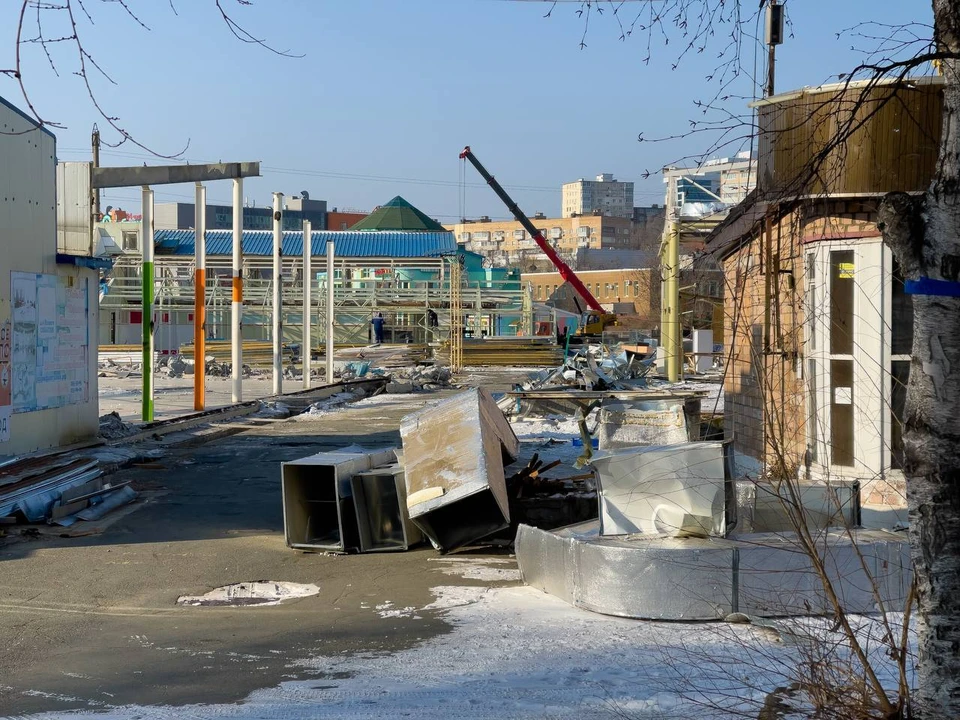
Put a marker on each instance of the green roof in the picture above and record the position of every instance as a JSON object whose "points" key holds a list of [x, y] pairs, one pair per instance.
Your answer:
{"points": [[398, 214]]}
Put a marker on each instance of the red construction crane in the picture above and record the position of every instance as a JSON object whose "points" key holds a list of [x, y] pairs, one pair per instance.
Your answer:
{"points": [[565, 272]]}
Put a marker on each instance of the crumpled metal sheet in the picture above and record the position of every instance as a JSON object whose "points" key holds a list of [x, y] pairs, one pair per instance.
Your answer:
{"points": [[453, 455], [35, 501], [662, 489], [656, 579], [649, 422], [317, 495], [661, 578]]}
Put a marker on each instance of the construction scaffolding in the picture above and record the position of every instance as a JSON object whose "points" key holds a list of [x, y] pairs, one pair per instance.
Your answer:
{"points": [[457, 326], [421, 300]]}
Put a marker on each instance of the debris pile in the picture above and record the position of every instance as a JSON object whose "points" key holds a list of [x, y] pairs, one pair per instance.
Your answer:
{"points": [[59, 490], [597, 367], [272, 410], [334, 402], [456, 480], [418, 377], [174, 366], [112, 427]]}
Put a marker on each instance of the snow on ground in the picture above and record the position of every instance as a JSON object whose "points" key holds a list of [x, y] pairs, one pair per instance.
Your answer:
{"points": [[517, 653], [486, 569], [712, 402], [551, 437]]}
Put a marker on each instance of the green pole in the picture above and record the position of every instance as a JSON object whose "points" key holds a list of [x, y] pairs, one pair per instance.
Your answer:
{"points": [[146, 318]]}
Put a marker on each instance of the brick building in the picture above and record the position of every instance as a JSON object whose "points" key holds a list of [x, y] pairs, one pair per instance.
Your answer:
{"points": [[343, 219], [505, 242], [818, 327], [641, 286]]}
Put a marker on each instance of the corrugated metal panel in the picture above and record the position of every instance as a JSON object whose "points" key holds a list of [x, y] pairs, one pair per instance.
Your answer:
{"points": [[893, 144], [348, 244], [74, 209]]}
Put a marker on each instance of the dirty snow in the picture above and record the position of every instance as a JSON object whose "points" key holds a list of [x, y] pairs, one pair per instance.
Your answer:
{"points": [[387, 610], [515, 652], [480, 569], [712, 402], [259, 593], [551, 427]]}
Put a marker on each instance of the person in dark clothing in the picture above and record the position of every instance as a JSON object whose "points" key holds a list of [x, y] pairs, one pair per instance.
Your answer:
{"points": [[377, 323], [432, 319]]}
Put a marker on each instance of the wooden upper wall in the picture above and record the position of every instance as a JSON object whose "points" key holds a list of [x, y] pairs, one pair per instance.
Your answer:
{"points": [[893, 132]]}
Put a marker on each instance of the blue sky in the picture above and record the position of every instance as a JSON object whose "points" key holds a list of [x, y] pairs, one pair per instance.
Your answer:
{"points": [[395, 88]]}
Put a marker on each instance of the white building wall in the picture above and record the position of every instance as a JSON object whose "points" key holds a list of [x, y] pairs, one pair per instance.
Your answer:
{"points": [[28, 244]]}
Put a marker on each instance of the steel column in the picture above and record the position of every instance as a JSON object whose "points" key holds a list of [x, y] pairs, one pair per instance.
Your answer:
{"points": [[146, 315], [306, 340], [200, 300], [330, 310], [277, 299], [236, 308]]}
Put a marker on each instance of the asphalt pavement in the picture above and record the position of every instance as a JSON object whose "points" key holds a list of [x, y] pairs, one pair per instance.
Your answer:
{"points": [[93, 622]]}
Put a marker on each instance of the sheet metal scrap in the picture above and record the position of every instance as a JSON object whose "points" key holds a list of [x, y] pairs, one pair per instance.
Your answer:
{"points": [[33, 485], [454, 457]]}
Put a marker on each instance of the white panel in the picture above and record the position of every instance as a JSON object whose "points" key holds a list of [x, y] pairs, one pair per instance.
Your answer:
{"points": [[869, 373], [28, 216], [74, 208], [672, 490]]}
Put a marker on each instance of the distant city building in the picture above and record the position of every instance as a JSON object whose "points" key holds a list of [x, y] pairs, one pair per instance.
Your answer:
{"points": [[649, 213], [715, 185], [640, 286], [699, 198], [506, 243], [605, 195], [181, 216], [344, 219]]}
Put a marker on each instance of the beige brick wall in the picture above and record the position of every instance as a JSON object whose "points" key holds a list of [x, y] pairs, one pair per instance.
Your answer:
{"points": [[641, 286], [765, 406], [764, 398]]}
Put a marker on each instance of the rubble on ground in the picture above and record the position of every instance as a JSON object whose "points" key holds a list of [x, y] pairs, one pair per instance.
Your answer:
{"points": [[112, 427], [273, 410], [332, 403], [59, 489]]}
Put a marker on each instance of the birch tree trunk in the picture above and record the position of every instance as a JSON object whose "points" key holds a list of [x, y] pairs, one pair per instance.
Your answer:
{"points": [[924, 235]]}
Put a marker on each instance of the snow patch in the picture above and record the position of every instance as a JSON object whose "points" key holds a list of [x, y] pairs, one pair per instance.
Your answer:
{"points": [[481, 570], [261, 592]]}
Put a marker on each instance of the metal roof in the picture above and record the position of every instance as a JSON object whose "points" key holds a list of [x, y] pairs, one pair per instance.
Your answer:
{"points": [[348, 243], [398, 214]]}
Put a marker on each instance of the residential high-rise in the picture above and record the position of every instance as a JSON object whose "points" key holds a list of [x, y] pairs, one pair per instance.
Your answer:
{"points": [[604, 196]]}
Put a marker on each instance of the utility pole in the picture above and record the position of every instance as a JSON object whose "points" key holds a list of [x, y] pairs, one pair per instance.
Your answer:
{"points": [[277, 296], [95, 147], [773, 36], [671, 337]]}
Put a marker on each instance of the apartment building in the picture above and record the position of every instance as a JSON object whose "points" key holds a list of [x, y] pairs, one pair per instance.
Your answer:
{"points": [[505, 242], [605, 195]]}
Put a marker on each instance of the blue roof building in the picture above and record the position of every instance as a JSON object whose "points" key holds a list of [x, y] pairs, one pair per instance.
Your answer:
{"points": [[360, 244]]}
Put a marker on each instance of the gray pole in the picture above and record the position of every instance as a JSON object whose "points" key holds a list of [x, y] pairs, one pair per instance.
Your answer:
{"points": [[307, 280]]}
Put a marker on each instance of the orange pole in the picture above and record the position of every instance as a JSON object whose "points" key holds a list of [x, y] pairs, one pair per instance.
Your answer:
{"points": [[199, 340], [200, 300]]}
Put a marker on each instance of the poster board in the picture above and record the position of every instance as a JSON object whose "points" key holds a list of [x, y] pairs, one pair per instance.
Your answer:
{"points": [[50, 340], [6, 380]]}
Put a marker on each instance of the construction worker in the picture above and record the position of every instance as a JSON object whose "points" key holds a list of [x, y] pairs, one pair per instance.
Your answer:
{"points": [[377, 323]]}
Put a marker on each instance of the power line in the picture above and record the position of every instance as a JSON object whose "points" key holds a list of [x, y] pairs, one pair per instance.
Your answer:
{"points": [[327, 174], [342, 175]]}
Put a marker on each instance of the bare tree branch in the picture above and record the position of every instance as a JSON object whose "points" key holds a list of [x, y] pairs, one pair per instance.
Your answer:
{"points": [[84, 60]]}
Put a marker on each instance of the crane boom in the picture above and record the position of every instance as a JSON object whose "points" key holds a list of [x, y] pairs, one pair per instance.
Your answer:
{"points": [[565, 272]]}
